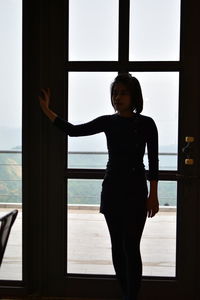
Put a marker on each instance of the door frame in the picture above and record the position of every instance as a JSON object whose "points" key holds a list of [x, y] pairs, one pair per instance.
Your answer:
{"points": [[44, 219]]}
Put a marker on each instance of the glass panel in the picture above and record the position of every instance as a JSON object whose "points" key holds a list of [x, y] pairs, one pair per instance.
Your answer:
{"points": [[87, 160], [161, 96], [89, 97], [10, 131], [89, 249], [154, 30], [160, 93], [93, 25], [158, 244]]}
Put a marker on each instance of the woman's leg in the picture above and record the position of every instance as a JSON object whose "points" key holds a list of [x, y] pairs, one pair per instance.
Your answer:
{"points": [[118, 254], [132, 232], [125, 233]]}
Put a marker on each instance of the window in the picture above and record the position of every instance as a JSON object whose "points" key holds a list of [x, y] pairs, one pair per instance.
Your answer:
{"points": [[154, 30], [10, 131], [160, 92], [92, 28], [154, 36]]}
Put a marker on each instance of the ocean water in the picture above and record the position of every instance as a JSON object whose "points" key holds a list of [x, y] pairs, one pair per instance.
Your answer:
{"points": [[80, 191]]}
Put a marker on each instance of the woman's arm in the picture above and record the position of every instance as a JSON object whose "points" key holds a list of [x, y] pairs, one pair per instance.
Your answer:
{"points": [[95, 126], [44, 104], [152, 148]]}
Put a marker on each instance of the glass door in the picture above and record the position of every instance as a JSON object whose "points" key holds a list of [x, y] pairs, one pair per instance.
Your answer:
{"points": [[11, 133], [89, 154], [155, 27], [151, 42]]}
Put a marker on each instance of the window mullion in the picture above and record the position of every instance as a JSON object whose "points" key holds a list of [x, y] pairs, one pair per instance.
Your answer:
{"points": [[124, 7]]}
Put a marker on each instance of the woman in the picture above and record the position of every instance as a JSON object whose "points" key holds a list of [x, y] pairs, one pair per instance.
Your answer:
{"points": [[125, 201]]}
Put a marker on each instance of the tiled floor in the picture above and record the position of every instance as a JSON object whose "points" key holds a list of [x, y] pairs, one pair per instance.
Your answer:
{"points": [[89, 249]]}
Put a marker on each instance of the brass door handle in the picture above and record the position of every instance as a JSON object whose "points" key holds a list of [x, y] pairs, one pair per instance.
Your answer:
{"points": [[188, 149]]}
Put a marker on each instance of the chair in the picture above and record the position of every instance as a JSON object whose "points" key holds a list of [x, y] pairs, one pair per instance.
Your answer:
{"points": [[5, 228]]}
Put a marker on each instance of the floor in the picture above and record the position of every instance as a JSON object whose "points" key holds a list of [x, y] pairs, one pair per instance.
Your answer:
{"points": [[89, 250]]}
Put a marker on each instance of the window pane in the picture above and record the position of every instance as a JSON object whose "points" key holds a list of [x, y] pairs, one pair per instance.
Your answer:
{"points": [[93, 30], [161, 97], [89, 248], [154, 30], [89, 97], [10, 177], [92, 98], [10, 131]]}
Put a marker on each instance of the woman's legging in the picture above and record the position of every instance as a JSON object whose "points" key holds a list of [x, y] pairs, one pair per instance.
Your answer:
{"points": [[125, 233]]}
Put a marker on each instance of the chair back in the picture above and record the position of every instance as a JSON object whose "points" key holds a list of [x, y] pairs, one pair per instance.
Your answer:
{"points": [[6, 223]]}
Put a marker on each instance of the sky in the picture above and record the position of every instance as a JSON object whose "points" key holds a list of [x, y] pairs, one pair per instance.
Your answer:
{"points": [[93, 35], [10, 73]]}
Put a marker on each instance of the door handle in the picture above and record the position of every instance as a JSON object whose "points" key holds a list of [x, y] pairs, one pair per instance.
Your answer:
{"points": [[188, 149]]}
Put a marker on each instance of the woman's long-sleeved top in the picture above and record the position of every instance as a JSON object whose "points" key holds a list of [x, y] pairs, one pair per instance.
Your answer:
{"points": [[124, 188], [126, 140]]}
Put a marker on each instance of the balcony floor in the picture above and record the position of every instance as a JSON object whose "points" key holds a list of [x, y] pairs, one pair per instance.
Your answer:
{"points": [[89, 250]]}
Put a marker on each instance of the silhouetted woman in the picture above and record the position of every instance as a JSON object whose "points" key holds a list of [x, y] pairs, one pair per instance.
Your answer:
{"points": [[125, 200]]}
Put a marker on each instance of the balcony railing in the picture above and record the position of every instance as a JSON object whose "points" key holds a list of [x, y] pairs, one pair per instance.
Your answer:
{"points": [[11, 177]]}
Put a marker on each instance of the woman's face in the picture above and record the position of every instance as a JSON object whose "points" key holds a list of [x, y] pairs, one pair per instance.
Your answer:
{"points": [[121, 99]]}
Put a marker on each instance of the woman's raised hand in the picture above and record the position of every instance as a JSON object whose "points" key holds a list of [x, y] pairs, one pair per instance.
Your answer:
{"points": [[44, 100]]}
